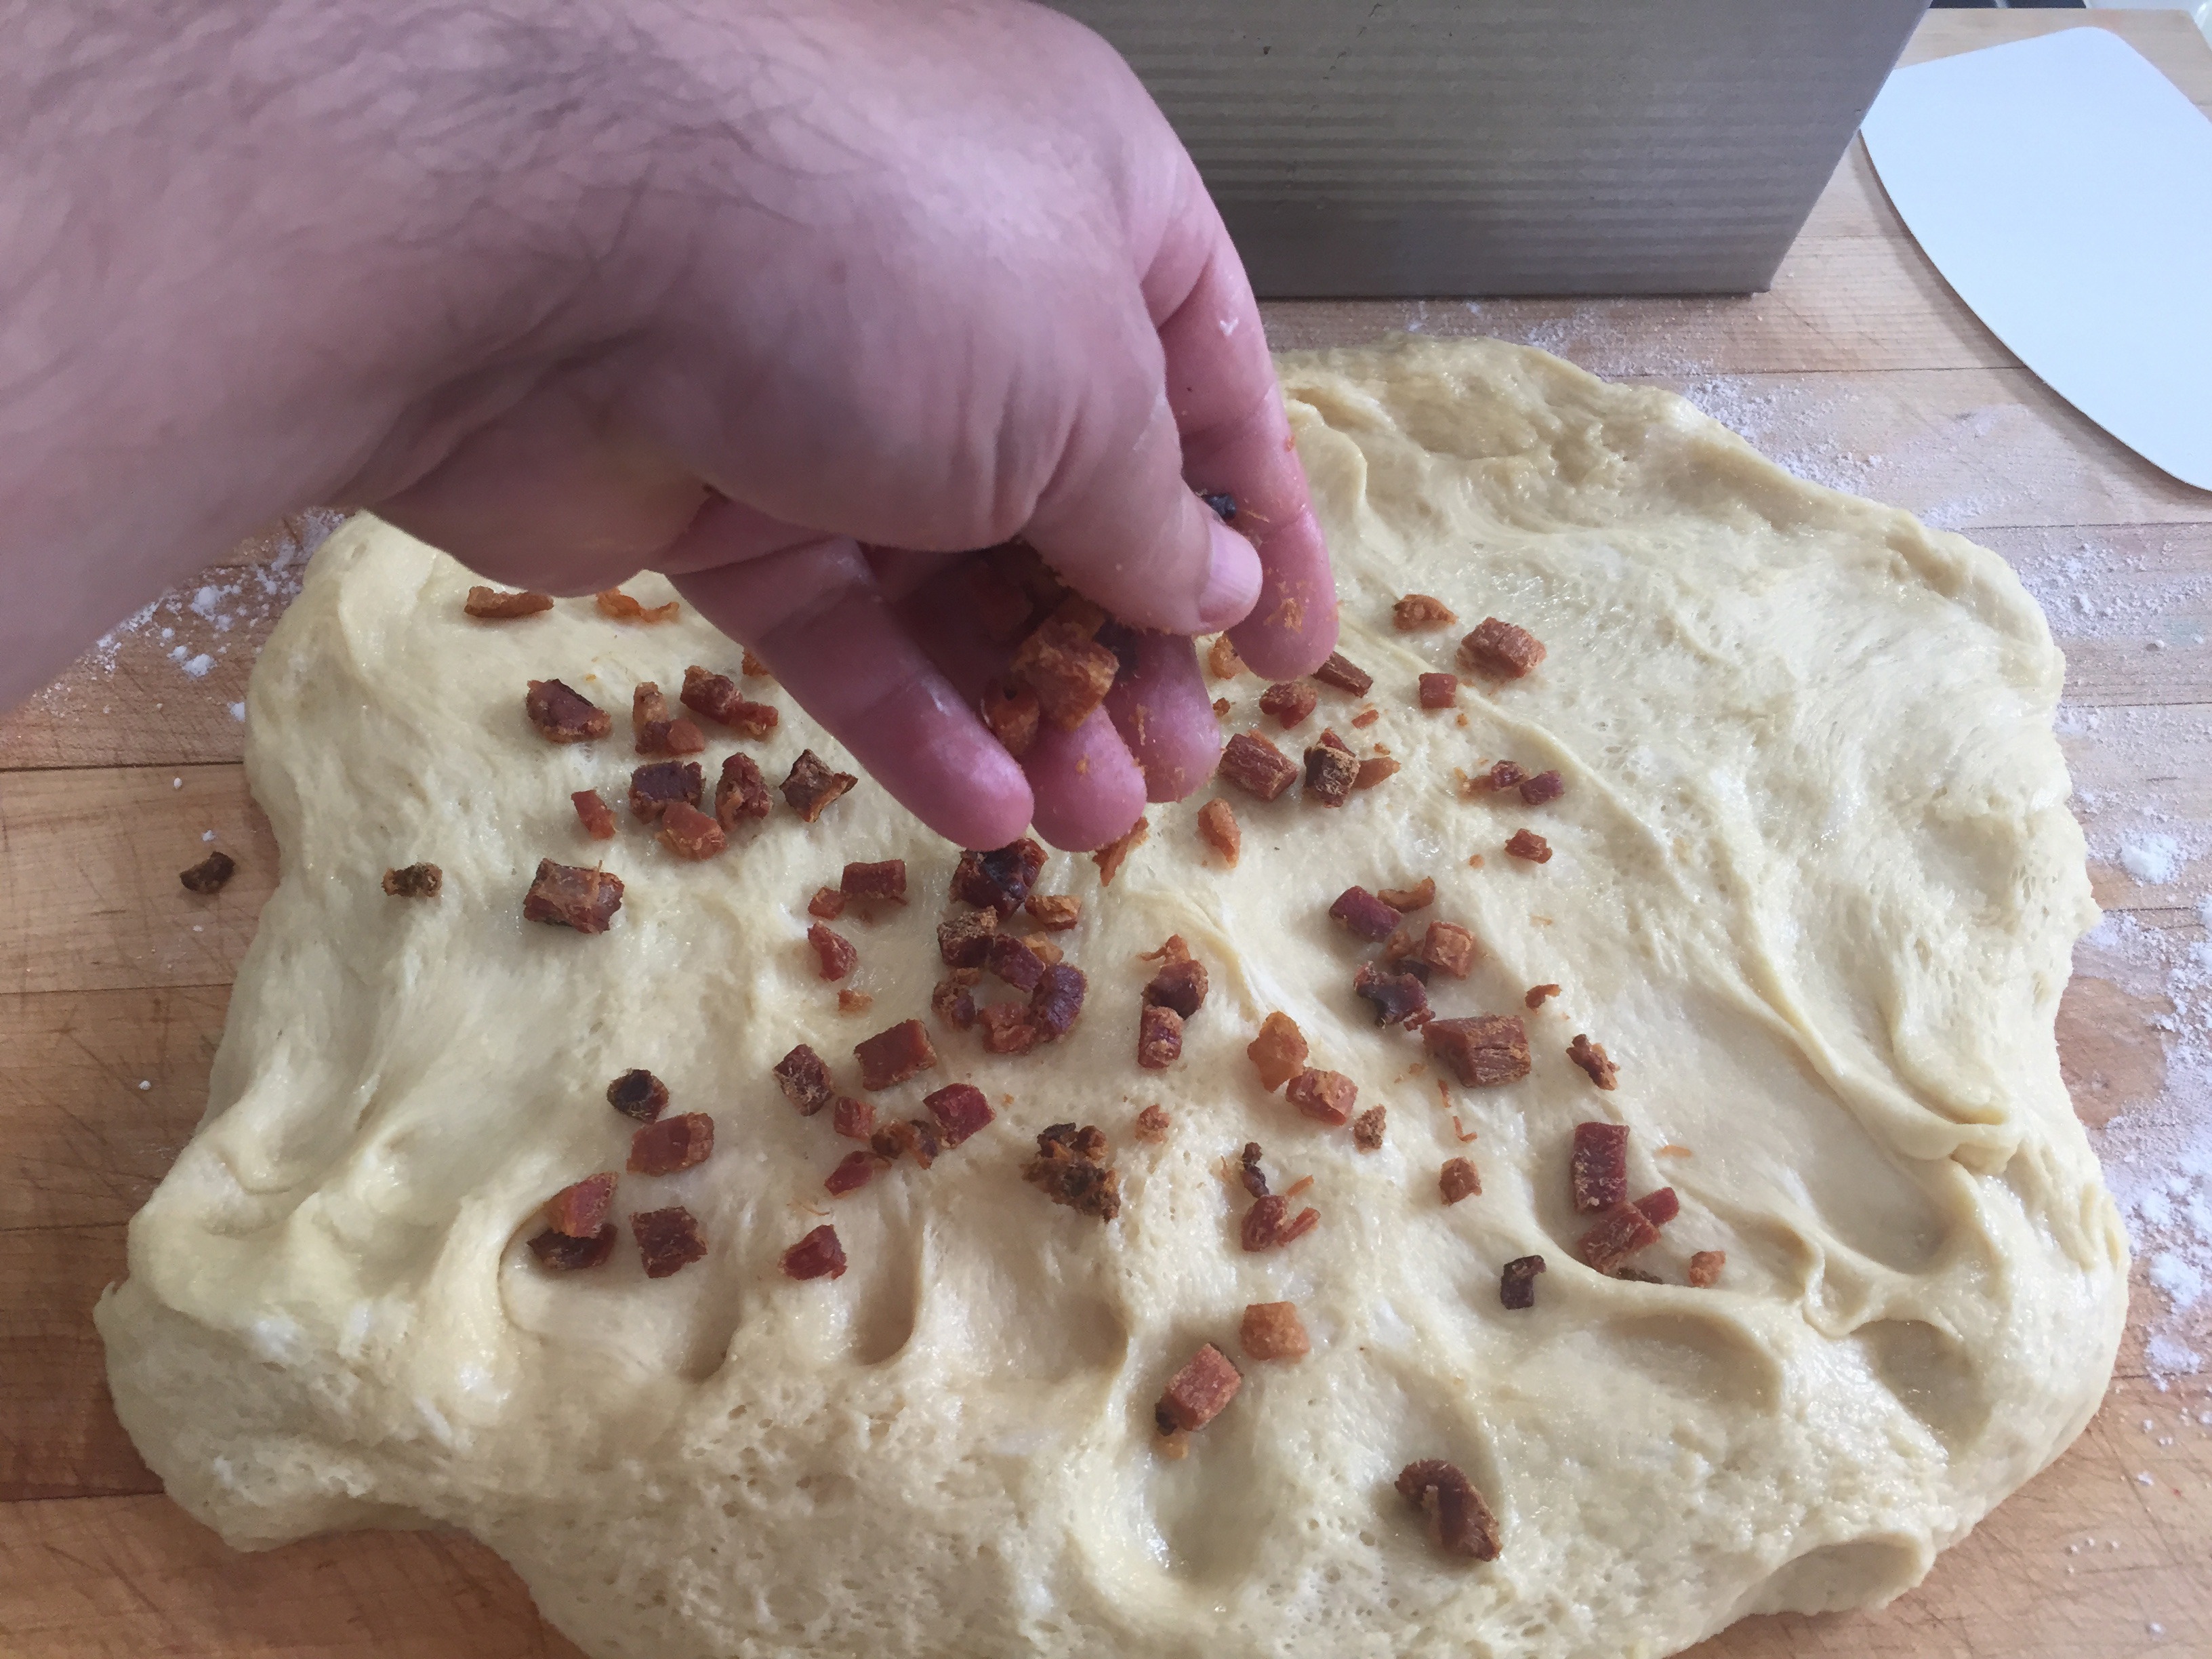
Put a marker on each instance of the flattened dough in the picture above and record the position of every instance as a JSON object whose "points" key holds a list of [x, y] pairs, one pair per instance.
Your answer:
{"points": [[1814, 888]]}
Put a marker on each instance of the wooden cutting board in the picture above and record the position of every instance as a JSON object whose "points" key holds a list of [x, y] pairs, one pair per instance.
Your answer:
{"points": [[1859, 369]]}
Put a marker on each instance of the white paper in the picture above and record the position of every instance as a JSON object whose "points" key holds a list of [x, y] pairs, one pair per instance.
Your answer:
{"points": [[2063, 187]]}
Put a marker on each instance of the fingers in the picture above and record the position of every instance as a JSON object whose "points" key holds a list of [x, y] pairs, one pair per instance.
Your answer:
{"points": [[1164, 719]]}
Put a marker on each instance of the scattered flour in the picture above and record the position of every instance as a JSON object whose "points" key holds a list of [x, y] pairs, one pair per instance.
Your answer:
{"points": [[2152, 858]]}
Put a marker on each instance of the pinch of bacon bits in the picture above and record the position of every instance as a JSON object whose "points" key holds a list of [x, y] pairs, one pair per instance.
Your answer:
{"points": [[1218, 829], [562, 1254], [415, 881], [894, 1055], [563, 715], [740, 793], [1008, 959], [1196, 1394], [1249, 1175], [835, 954], [1459, 1179], [1152, 1125], [1366, 916], [1345, 675], [818, 1255], [753, 668], [1621, 1231], [1545, 786], [1109, 857], [1438, 690], [1500, 651], [717, 697], [1397, 999], [1366, 718], [1517, 1281], [953, 1001], [490, 604], [998, 880], [1483, 1050], [1279, 1052], [1591, 1057], [594, 814], [690, 833], [567, 895], [613, 602], [1057, 1002], [804, 1079], [1538, 993], [209, 874], [1222, 661], [1330, 774], [580, 1210], [1705, 1267], [1064, 663], [1448, 948], [1272, 1330], [1223, 503], [652, 730], [1012, 714], [1071, 1169], [1325, 1097], [1528, 844], [1503, 775], [671, 1144], [916, 1135], [965, 941], [640, 1095], [885, 880], [1598, 1172], [810, 786], [854, 1171], [1159, 1037], [855, 1120], [827, 904], [1007, 1028], [1460, 1523], [960, 1109], [652, 787], [1269, 1224], [1416, 611], [1368, 1129], [1290, 701], [1660, 1207], [1057, 911], [1257, 766], [1375, 770], [668, 1240], [1181, 983], [1404, 900]]}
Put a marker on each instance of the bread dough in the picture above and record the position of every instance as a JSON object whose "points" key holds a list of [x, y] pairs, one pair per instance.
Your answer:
{"points": [[1814, 889]]}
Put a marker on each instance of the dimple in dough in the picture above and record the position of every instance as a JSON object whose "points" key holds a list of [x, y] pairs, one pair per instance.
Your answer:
{"points": [[1814, 888]]}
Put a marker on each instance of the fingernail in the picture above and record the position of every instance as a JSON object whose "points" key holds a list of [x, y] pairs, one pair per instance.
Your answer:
{"points": [[1232, 577]]}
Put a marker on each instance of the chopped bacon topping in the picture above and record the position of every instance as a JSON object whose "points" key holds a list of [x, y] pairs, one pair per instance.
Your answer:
{"points": [[804, 1079], [1419, 611], [1057, 1002], [580, 1211], [850, 1001], [1195, 1396], [854, 1171], [676, 736], [1180, 986], [741, 793], [1152, 1124], [1064, 664], [893, 1055], [652, 786], [1290, 701], [1705, 1267], [594, 814], [717, 697], [647, 707], [1599, 1178], [1272, 1330], [567, 895], [828, 903], [690, 833], [1517, 1284], [1000, 879], [211, 872], [1222, 661], [1012, 712], [965, 941], [810, 785], [1366, 718], [668, 1240], [954, 1003], [1500, 651], [1591, 1057], [1257, 766], [836, 955], [1483, 1050], [1330, 774], [1331, 740], [1071, 1166], [1057, 911], [753, 668], [1404, 900], [1538, 993], [1007, 1028], [563, 715], [1109, 858], [1660, 1207], [1159, 1037], [565, 1255], [1279, 1052], [1268, 1225], [1620, 1232], [1545, 786], [1373, 771], [855, 1120], [1366, 916], [1344, 674], [1326, 1096], [640, 1095], [1367, 1129], [815, 1256], [1217, 828], [1504, 774], [960, 1109], [1014, 962], [618, 605], [1637, 1276], [1460, 1523], [1448, 948], [1459, 1179], [671, 1144], [1528, 844], [1438, 690], [1249, 1175], [490, 604], [916, 1135], [1398, 998], [886, 880]]}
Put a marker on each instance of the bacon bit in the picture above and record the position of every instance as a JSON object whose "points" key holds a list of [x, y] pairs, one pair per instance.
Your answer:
{"points": [[1484, 1050], [1268, 1225], [593, 813], [1419, 611], [854, 1171], [1461, 1135], [1460, 1523], [1637, 1276], [646, 706], [1194, 1396], [415, 881], [916, 1135], [1159, 1037], [1366, 718], [816, 1256], [1538, 993], [1545, 786], [1057, 1002], [640, 1095], [886, 880], [954, 1003], [490, 604], [854, 1002], [652, 787], [668, 1240], [1660, 1207], [1152, 1125], [1172, 948], [566, 895], [1071, 1166], [1505, 775], [677, 736], [1011, 714], [1344, 674], [1438, 690], [1326, 1096], [580, 1211], [1444, 1095], [741, 793], [828, 903], [1249, 1175], [1619, 1233], [1298, 1186], [1109, 858], [1398, 998], [1057, 911], [1223, 503], [1257, 766], [1599, 1167], [1366, 1132], [1375, 771], [209, 874], [1330, 774], [1064, 666], [804, 1079], [671, 1144], [1014, 962], [1421, 895], [1180, 986], [855, 1120], [1500, 651], [618, 605], [1366, 916], [1221, 707], [1217, 826], [563, 715], [1475, 863], [1330, 739], [1272, 1330], [1448, 948], [1007, 1028], [1459, 1179], [1279, 1052], [999, 879], [1705, 1267], [1222, 659], [1528, 844], [564, 1255], [960, 1109], [1516, 1284], [836, 955], [810, 785], [893, 1055], [1591, 1057], [1672, 1149], [690, 833], [1290, 701], [753, 668], [965, 941]]}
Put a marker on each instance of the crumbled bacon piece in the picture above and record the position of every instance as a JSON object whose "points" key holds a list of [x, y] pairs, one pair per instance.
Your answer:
{"points": [[741, 792], [804, 1079], [1483, 1050], [567, 895], [671, 1144], [1460, 1523], [676, 736], [965, 941], [640, 1095], [1367, 1129], [492, 605], [810, 785], [1180, 986], [1538, 993], [1528, 844], [1660, 1207], [960, 1109], [1545, 786], [1223, 503], [1172, 948], [1057, 911], [855, 1120], [999, 879], [1459, 1179], [1366, 718], [1217, 828], [647, 707], [1152, 1124], [1014, 962], [563, 715], [1448, 948], [1599, 1178], [1504, 774], [828, 903], [668, 1240], [594, 814], [717, 697], [1109, 858], [1619, 1233], [562, 1254], [815, 1256], [618, 605], [580, 1210], [1007, 1028], [1419, 611], [1705, 1267], [1195, 1396], [1272, 1330], [1279, 1052], [1221, 658], [1373, 771], [1012, 712], [1268, 1225], [1637, 1276], [1067, 668], [1517, 1283], [835, 954], [854, 1171], [690, 833], [885, 880], [1329, 739], [209, 874], [1326, 1096], [1591, 1057], [1071, 1166], [1344, 674], [1330, 774], [953, 1003], [652, 786], [1404, 900], [850, 1001], [1249, 1175], [916, 1135], [893, 1055], [1057, 1001], [1398, 998], [1500, 651], [753, 668], [1438, 690], [1257, 766], [1366, 916], [1159, 1037], [1290, 701]]}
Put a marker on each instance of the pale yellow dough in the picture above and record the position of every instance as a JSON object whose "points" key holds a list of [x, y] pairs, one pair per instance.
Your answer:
{"points": [[1814, 888]]}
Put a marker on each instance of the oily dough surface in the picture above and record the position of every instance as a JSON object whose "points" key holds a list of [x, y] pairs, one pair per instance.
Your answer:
{"points": [[1814, 889]]}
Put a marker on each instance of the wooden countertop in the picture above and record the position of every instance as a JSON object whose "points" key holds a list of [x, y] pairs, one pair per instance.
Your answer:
{"points": [[1860, 369]]}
